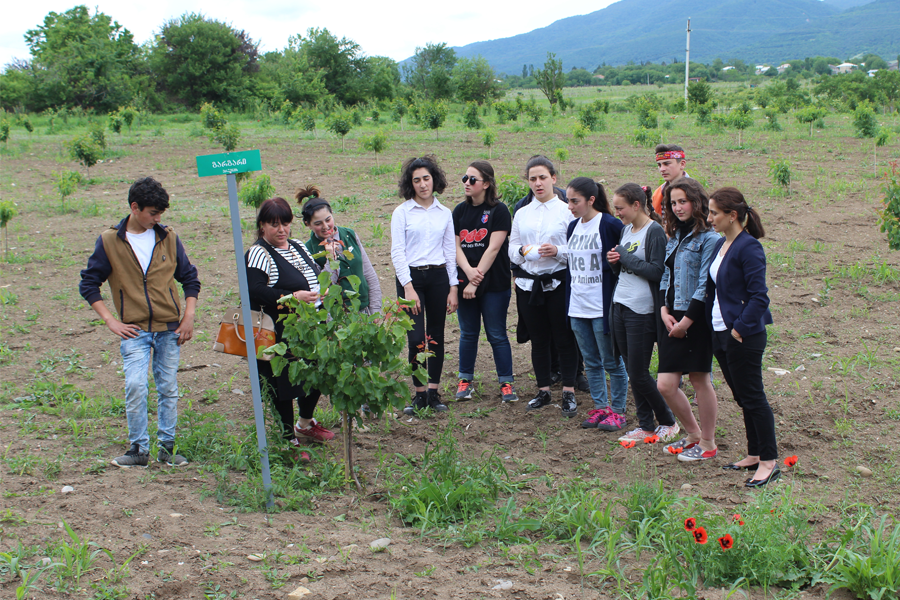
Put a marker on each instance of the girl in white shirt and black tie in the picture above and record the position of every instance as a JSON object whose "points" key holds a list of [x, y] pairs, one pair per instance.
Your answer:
{"points": [[423, 250], [537, 243]]}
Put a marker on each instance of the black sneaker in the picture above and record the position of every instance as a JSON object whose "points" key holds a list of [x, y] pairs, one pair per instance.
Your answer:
{"points": [[464, 390], [417, 403], [434, 401], [555, 378], [168, 456], [581, 384], [508, 392], [540, 401], [569, 407], [133, 458]]}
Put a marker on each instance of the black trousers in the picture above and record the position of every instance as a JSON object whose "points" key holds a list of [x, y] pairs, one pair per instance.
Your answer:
{"points": [[741, 364], [548, 324], [635, 335], [283, 392], [432, 287]]}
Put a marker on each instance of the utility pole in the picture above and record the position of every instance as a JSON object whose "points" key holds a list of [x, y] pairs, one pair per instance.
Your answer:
{"points": [[687, 63]]}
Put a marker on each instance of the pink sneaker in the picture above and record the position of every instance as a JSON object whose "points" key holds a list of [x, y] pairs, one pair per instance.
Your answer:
{"points": [[612, 422], [314, 431], [594, 417]]}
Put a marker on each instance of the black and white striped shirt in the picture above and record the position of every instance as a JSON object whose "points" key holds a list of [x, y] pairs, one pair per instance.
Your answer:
{"points": [[259, 258]]}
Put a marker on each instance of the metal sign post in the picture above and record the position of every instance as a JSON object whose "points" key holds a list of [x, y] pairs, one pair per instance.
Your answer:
{"points": [[228, 164]]}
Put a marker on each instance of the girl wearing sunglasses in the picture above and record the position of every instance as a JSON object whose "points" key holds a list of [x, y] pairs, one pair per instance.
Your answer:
{"points": [[482, 224]]}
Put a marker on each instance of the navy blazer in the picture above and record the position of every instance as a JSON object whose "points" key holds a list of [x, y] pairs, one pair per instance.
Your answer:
{"points": [[741, 282]]}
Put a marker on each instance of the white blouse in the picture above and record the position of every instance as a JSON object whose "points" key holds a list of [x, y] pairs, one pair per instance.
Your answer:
{"points": [[422, 236], [535, 224]]}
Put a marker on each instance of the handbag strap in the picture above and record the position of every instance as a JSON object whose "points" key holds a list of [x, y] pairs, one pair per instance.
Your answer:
{"points": [[236, 318]]}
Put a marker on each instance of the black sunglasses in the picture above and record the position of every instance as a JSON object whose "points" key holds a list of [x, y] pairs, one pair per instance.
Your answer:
{"points": [[469, 178]]}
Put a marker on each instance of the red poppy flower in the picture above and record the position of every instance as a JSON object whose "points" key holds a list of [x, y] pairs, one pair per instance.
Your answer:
{"points": [[673, 450], [628, 443], [651, 439], [700, 535], [735, 517], [726, 542], [790, 461], [690, 524]]}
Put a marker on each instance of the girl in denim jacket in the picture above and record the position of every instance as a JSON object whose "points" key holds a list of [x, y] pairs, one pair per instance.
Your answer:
{"points": [[685, 342]]}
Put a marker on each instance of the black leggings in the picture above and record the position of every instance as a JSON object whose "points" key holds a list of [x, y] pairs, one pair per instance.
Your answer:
{"points": [[283, 393], [634, 335], [741, 364], [541, 321], [432, 287]]}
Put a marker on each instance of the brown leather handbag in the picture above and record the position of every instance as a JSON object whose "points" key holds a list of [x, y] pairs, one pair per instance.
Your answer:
{"points": [[230, 338]]}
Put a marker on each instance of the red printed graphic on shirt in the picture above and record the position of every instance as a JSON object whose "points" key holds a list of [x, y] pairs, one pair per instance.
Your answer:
{"points": [[472, 236]]}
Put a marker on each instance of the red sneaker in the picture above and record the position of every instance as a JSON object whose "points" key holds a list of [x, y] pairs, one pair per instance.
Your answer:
{"points": [[314, 431], [300, 455], [594, 417]]}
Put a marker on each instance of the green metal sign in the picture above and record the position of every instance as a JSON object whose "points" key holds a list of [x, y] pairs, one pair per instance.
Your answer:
{"points": [[228, 163]]}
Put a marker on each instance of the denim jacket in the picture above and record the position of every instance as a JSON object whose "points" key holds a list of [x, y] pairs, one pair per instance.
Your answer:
{"points": [[692, 263]]}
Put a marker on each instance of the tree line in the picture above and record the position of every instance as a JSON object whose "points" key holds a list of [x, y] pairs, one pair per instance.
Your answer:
{"points": [[85, 60]]}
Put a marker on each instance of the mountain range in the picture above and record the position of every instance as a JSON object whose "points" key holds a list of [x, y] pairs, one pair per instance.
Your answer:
{"points": [[654, 31]]}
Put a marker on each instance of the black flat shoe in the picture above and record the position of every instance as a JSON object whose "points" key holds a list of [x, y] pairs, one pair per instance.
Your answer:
{"points": [[755, 483], [734, 467]]}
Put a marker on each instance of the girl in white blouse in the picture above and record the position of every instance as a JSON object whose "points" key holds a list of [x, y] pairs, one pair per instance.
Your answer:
{"points": [[537, 243], [423, 250]]}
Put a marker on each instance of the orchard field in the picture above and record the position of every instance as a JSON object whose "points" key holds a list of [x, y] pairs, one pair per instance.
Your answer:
{"points": [[485, 501]]}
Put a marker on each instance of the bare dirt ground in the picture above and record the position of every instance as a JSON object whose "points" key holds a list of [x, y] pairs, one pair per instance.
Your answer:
{"points": [[835, 298]]}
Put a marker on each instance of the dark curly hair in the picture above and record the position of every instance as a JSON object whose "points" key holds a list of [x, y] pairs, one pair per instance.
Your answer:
{"points": [[148, 192], [429, 161]]}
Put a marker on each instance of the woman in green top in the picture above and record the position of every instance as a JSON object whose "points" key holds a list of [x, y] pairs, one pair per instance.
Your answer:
{"points": [[326, 235]]}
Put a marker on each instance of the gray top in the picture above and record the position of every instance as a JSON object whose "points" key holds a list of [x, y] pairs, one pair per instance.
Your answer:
{"points": [[632, 290]]}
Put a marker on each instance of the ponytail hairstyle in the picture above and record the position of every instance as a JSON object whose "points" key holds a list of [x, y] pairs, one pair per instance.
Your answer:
{"points": [[698, 198], [487, 174], [633, 194], [313, 203], [730, 200], [588, 188], [539, 160]]}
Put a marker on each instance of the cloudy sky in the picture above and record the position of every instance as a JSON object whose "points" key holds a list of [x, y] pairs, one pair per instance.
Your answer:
{"points": [[386, 28]]}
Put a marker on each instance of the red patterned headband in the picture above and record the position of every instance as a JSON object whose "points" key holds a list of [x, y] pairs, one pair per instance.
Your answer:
{"points": [[676, 154]]}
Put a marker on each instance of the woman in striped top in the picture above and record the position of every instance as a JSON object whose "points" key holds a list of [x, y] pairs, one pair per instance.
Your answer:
{"points": [[278, 266]]}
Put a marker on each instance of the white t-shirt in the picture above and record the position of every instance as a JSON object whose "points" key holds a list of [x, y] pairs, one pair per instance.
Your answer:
{"points": [[586, 268], [634, 291], [142, 244], [717, 321]]}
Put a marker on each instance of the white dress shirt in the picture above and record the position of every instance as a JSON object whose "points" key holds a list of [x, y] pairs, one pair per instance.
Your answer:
{"points": [[422, 236], [535, 224]]}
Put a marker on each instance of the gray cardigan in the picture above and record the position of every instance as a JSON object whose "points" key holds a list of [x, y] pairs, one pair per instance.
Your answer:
{"points": [[651, 269]]}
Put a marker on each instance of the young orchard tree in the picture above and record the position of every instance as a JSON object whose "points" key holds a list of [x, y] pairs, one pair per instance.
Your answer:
{"points": [[376, 143], [551, 79], [86, 150], [489, 138], [339, 124], [7, 213], [810, 114], [432, 115], [740, 120]]}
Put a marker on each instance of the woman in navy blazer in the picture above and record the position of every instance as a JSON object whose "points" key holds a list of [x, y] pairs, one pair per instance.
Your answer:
{"points": [[737, 310]]}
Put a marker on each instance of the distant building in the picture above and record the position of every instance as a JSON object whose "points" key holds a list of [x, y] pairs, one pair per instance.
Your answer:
{"points": [[841, 68], [892, 65], [599, 76], [871, 72], [696, 79], [760, 69], [783, 68], [728, 68]]}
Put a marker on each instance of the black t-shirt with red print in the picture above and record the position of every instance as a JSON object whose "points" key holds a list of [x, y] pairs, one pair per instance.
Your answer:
{"points": [[474, 225]]}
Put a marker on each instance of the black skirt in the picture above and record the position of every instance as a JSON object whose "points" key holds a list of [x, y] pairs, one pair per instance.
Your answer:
{"points": [[690, 354]]}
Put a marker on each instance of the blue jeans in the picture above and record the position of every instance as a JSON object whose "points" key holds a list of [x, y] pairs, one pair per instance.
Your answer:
{"points": [[492, 308], [136, 360], [596, 348]]}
